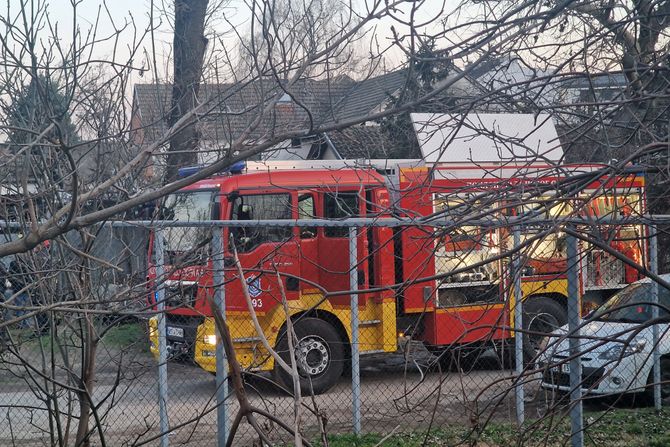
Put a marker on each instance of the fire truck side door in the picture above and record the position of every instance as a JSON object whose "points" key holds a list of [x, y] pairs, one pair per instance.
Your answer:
{"points": [[334, 245], [308, 206], [262, 250]]}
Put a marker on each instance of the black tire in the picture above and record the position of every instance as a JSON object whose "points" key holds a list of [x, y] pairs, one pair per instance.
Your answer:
{"points": [[648, 395], [456, 359], [322, 356], [541, 315]]}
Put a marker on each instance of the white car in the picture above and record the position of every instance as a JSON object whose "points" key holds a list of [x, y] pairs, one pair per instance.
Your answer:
{"points": [[616, 344]]}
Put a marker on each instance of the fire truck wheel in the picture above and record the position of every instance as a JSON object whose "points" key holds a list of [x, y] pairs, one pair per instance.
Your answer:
{"points": [[319, 354], [463, 359], [541, 315], [509, 356]]}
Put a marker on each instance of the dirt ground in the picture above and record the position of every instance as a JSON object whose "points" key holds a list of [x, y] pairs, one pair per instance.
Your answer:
{"points": [[395, 394]]}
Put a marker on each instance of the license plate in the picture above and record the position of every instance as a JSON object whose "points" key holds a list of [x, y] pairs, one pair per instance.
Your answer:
{"points": [[565, 367], [175, 332]]}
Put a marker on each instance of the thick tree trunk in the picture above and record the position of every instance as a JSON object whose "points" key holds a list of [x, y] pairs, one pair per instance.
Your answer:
{"points": [[189, 51]]}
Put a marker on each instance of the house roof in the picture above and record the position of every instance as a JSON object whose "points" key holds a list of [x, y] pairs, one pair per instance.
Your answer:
{"points": [[368, 96], [601, 80], [230, 108], [234, 106]]}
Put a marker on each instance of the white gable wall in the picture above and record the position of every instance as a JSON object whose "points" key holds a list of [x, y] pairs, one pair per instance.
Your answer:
{"points": [[487, 138]]}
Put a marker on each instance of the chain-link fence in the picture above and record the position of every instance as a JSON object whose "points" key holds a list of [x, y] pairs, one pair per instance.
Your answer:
{"points": [[394, 327]]}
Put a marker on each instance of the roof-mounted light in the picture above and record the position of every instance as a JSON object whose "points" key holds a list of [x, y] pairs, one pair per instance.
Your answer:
{"points": [[188, 171], [235, 168]]}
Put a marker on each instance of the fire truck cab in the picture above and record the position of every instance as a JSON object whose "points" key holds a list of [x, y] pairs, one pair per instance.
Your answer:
{"points": [[309, 261]]}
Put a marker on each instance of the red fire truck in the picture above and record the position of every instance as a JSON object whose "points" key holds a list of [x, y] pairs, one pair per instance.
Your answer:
{"points": [[445, 287]]}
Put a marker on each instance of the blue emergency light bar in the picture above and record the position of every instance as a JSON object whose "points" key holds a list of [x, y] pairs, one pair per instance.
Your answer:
{"points": [[235, 168]]}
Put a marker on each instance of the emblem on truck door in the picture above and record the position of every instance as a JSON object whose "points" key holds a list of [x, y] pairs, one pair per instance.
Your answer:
{"points": [[254, 284]]}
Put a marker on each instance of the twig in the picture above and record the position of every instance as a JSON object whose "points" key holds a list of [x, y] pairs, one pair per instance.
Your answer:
{"points": [[391, 433], [290, 333], [247, 410]]}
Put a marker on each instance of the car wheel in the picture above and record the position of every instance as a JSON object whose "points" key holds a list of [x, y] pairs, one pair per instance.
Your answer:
{"points": [[319, 353], [665, 383]]}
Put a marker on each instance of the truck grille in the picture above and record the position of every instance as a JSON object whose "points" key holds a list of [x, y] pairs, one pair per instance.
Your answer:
{"points": [[181, 335], [180, 293]]}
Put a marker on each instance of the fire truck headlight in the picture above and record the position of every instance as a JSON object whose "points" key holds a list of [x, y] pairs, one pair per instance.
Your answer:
{"points": [[209, 339]]}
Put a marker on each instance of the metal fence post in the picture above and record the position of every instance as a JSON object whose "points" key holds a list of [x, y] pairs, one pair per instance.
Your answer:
{"points": [[518, 323], [162, 338], [355, 354], [656, 355], [221, 364], [576, 410]]}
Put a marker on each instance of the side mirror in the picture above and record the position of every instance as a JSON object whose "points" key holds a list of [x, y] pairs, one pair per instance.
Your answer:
{"points": [[307, 233], [246, 212]]}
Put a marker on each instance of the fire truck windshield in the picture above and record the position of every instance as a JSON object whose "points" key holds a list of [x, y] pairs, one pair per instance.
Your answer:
{"points": [[187, 206]]}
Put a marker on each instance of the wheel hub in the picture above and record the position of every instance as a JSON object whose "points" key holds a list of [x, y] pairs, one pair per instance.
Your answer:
{"points": [[312, 355]]}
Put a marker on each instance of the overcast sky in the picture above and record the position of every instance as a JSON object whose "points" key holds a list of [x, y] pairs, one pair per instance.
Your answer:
{"points": [[91, 13]]}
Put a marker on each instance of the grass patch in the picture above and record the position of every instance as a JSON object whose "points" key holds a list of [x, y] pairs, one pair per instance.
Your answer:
{"points": [[615, 428], [27, 337], [127, 335], [124, 336]]}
